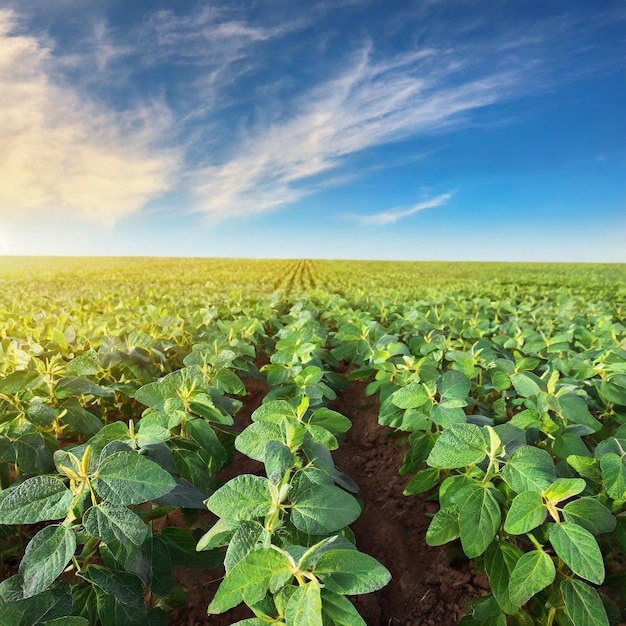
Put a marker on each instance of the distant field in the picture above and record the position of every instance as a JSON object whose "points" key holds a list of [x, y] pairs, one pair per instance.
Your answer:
{"points": [[132, 389]]}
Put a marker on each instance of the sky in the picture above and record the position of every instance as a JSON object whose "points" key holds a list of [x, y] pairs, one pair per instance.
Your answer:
{"points": [[357, 129]]}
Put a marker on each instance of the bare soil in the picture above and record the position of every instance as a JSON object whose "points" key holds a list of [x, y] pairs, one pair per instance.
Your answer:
{"points": [[429, 586]]}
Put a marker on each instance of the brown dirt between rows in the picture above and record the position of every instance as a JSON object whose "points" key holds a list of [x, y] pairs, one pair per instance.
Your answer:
{"points": [[429, 586]]}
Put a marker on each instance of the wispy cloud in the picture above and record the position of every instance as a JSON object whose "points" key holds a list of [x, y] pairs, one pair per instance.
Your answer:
{"points": [[62, 153], [367, 105], [391, 216]]}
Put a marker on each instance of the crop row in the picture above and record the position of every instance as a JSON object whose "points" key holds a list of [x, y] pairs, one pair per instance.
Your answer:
{"points": [[117, 397]]}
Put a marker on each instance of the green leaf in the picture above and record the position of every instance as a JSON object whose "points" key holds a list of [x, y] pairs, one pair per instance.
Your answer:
{"points": [[274, 411], [245, 497], [330, 420], [583, 604], [444, 526], [249, 580], [37, 499], [348, 572], [113, 523], [129, 478], [587, 467], [119, 596], [479, 520], [218, 535], [49, 605], [529, 469], [527, 512], [305, 606], [340, 610], [41, 414], [500, 561], [591, 515], [527, 384], [579, 549], [154, 394], [323, 509], [614, 475], [410, 396], [45, 558], [204, 435], [83, 365], [458, 446], [564, 488], [454, 385], [575, 410], [533, 572], [74, 386], [253, 440], [278, 460], [422, 481], [68, 620], [245, 539]]}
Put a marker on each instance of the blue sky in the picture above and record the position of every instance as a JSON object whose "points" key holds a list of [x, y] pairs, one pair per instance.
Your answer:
{"points": [[375, 129]]}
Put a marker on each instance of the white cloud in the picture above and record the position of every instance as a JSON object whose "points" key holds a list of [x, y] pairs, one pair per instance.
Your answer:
{"points": [[368, 105], [391, 216], [64, 154]]}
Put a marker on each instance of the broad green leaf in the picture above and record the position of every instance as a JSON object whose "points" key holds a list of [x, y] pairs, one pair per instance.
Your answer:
{"points": [[479, 520], [245, 497], [311, 556], [527, 384], [37, 499], [204, 435], [454, 385], [249, 580], [218, 535], [587, 467], [614, 475], [458, 446], [305, 606], [444, 526], [527, 512], [45, 558], [323, 509], [330, 420], [245, 539], [129, 478], [253, 440], [127, 588], [339, 609], [410, 396], [422, 481], [579, 549], [583, 604], [446, 415], [83, 365], [274, 411], [348, 572], [119, 596], [112, 522], [575, 410], [49, 605], [154, 394], [591, 515], [41, 414], [278, 460], [533, 572], [529, 469], [74, 386], [500, 561], [564, 488]]}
